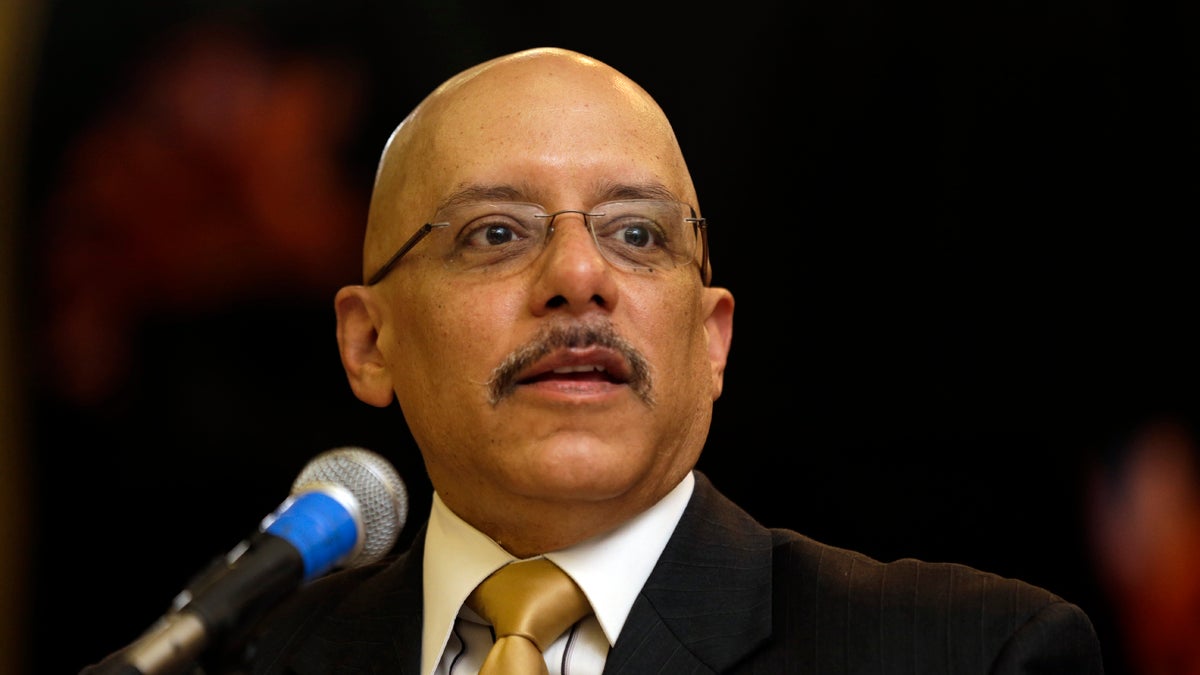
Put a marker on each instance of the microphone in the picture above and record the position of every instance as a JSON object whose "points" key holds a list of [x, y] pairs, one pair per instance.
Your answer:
{"points": [[345, 509]]}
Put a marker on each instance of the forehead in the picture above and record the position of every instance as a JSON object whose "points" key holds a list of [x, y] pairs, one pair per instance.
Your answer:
{"points": [[560, 129]]}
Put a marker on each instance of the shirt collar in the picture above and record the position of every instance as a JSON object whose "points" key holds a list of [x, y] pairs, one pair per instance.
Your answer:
{"points": [[610, 568]]}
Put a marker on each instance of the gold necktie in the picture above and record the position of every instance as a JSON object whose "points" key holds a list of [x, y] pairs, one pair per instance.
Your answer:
{"points": [[529, 604]]}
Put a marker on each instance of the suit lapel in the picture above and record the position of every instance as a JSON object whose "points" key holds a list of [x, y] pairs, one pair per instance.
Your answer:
{"points": [[707, 603]]}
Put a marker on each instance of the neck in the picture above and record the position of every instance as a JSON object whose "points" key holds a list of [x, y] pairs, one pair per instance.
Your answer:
{"points": [[530, 527], [527, 533]]}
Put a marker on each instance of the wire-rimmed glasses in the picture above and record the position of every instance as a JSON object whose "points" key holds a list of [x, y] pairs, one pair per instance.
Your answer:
{"points": [[637, 235]]}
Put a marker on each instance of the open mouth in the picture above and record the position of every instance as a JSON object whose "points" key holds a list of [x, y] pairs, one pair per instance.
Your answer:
{"points": [[577, 360], [574, 365]]}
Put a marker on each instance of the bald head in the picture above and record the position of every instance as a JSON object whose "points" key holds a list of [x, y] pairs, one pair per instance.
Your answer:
{"points": [[614, 366], [546, 125]]}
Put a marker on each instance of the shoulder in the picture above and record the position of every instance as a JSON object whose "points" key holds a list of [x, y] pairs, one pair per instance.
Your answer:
{"points": [[803, 565], [847, 611], [942, 612], [800, 561]]}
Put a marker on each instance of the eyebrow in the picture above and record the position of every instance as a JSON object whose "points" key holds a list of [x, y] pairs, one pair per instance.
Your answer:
{"points": [[473, 194], [503, 192], [617, 191]]}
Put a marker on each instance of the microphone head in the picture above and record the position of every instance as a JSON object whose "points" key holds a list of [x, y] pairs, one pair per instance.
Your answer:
{"points": [[381, 499]]}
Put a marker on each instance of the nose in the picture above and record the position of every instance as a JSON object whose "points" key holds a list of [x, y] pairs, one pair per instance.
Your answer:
{"points": [[573, 276]]}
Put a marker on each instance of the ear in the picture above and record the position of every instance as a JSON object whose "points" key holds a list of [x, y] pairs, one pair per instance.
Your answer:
{"points": [[358, 338], [719, 326]]}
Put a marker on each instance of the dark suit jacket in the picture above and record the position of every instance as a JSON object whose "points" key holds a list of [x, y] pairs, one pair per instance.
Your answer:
{"points": [[728, 596]]}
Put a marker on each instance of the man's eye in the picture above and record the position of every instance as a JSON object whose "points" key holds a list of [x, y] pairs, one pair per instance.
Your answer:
{"points": [[491, 232], [636, 235], [632, 233], [498, 234]]}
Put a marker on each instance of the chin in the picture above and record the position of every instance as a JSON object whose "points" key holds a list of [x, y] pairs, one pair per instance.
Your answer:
{"points": [[583, 471]]}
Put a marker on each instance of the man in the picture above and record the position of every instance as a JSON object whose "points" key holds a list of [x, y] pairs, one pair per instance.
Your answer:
{"points": [[538, 303]]}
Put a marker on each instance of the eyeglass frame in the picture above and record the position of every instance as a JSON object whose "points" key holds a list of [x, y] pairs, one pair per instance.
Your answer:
{"points": [[701, 224]]}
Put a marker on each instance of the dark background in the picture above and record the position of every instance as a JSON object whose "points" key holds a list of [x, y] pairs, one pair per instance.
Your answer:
{"points": [[956, 233]]}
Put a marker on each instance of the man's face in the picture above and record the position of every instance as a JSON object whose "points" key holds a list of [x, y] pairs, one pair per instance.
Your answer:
{"points": [[569, 381]]}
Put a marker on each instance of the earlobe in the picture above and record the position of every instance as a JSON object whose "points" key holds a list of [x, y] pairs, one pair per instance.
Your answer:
{"points": [[357, 337], [719, 327]]}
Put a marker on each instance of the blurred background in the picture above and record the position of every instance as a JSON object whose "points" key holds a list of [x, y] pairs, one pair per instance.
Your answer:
{"points": [[958, 236]]}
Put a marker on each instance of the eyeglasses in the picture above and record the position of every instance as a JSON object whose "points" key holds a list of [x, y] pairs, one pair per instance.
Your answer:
{"points": [[637, 235]]}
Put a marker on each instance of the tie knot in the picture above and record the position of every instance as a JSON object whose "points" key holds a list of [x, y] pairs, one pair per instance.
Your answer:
{"points": [[533, 599]]}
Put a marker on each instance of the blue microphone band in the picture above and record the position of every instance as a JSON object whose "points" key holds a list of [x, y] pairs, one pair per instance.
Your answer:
{"points": [[320, 527]]}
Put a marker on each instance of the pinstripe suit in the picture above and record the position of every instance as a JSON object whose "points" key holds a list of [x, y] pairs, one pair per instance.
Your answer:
{"points": [[730, 596]]}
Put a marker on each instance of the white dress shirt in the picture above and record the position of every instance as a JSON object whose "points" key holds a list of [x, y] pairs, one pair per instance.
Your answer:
{"points": [[610, 568]]}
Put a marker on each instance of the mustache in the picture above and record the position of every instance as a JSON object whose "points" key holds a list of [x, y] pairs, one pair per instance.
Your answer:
{"points": [[504, 378]]}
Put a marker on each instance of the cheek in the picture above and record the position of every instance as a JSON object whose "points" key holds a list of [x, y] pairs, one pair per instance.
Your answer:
{"points": [[443, 349], [671, 330]]}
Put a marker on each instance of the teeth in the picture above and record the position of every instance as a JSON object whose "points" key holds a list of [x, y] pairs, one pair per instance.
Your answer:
{"points": [[579, 369]]}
